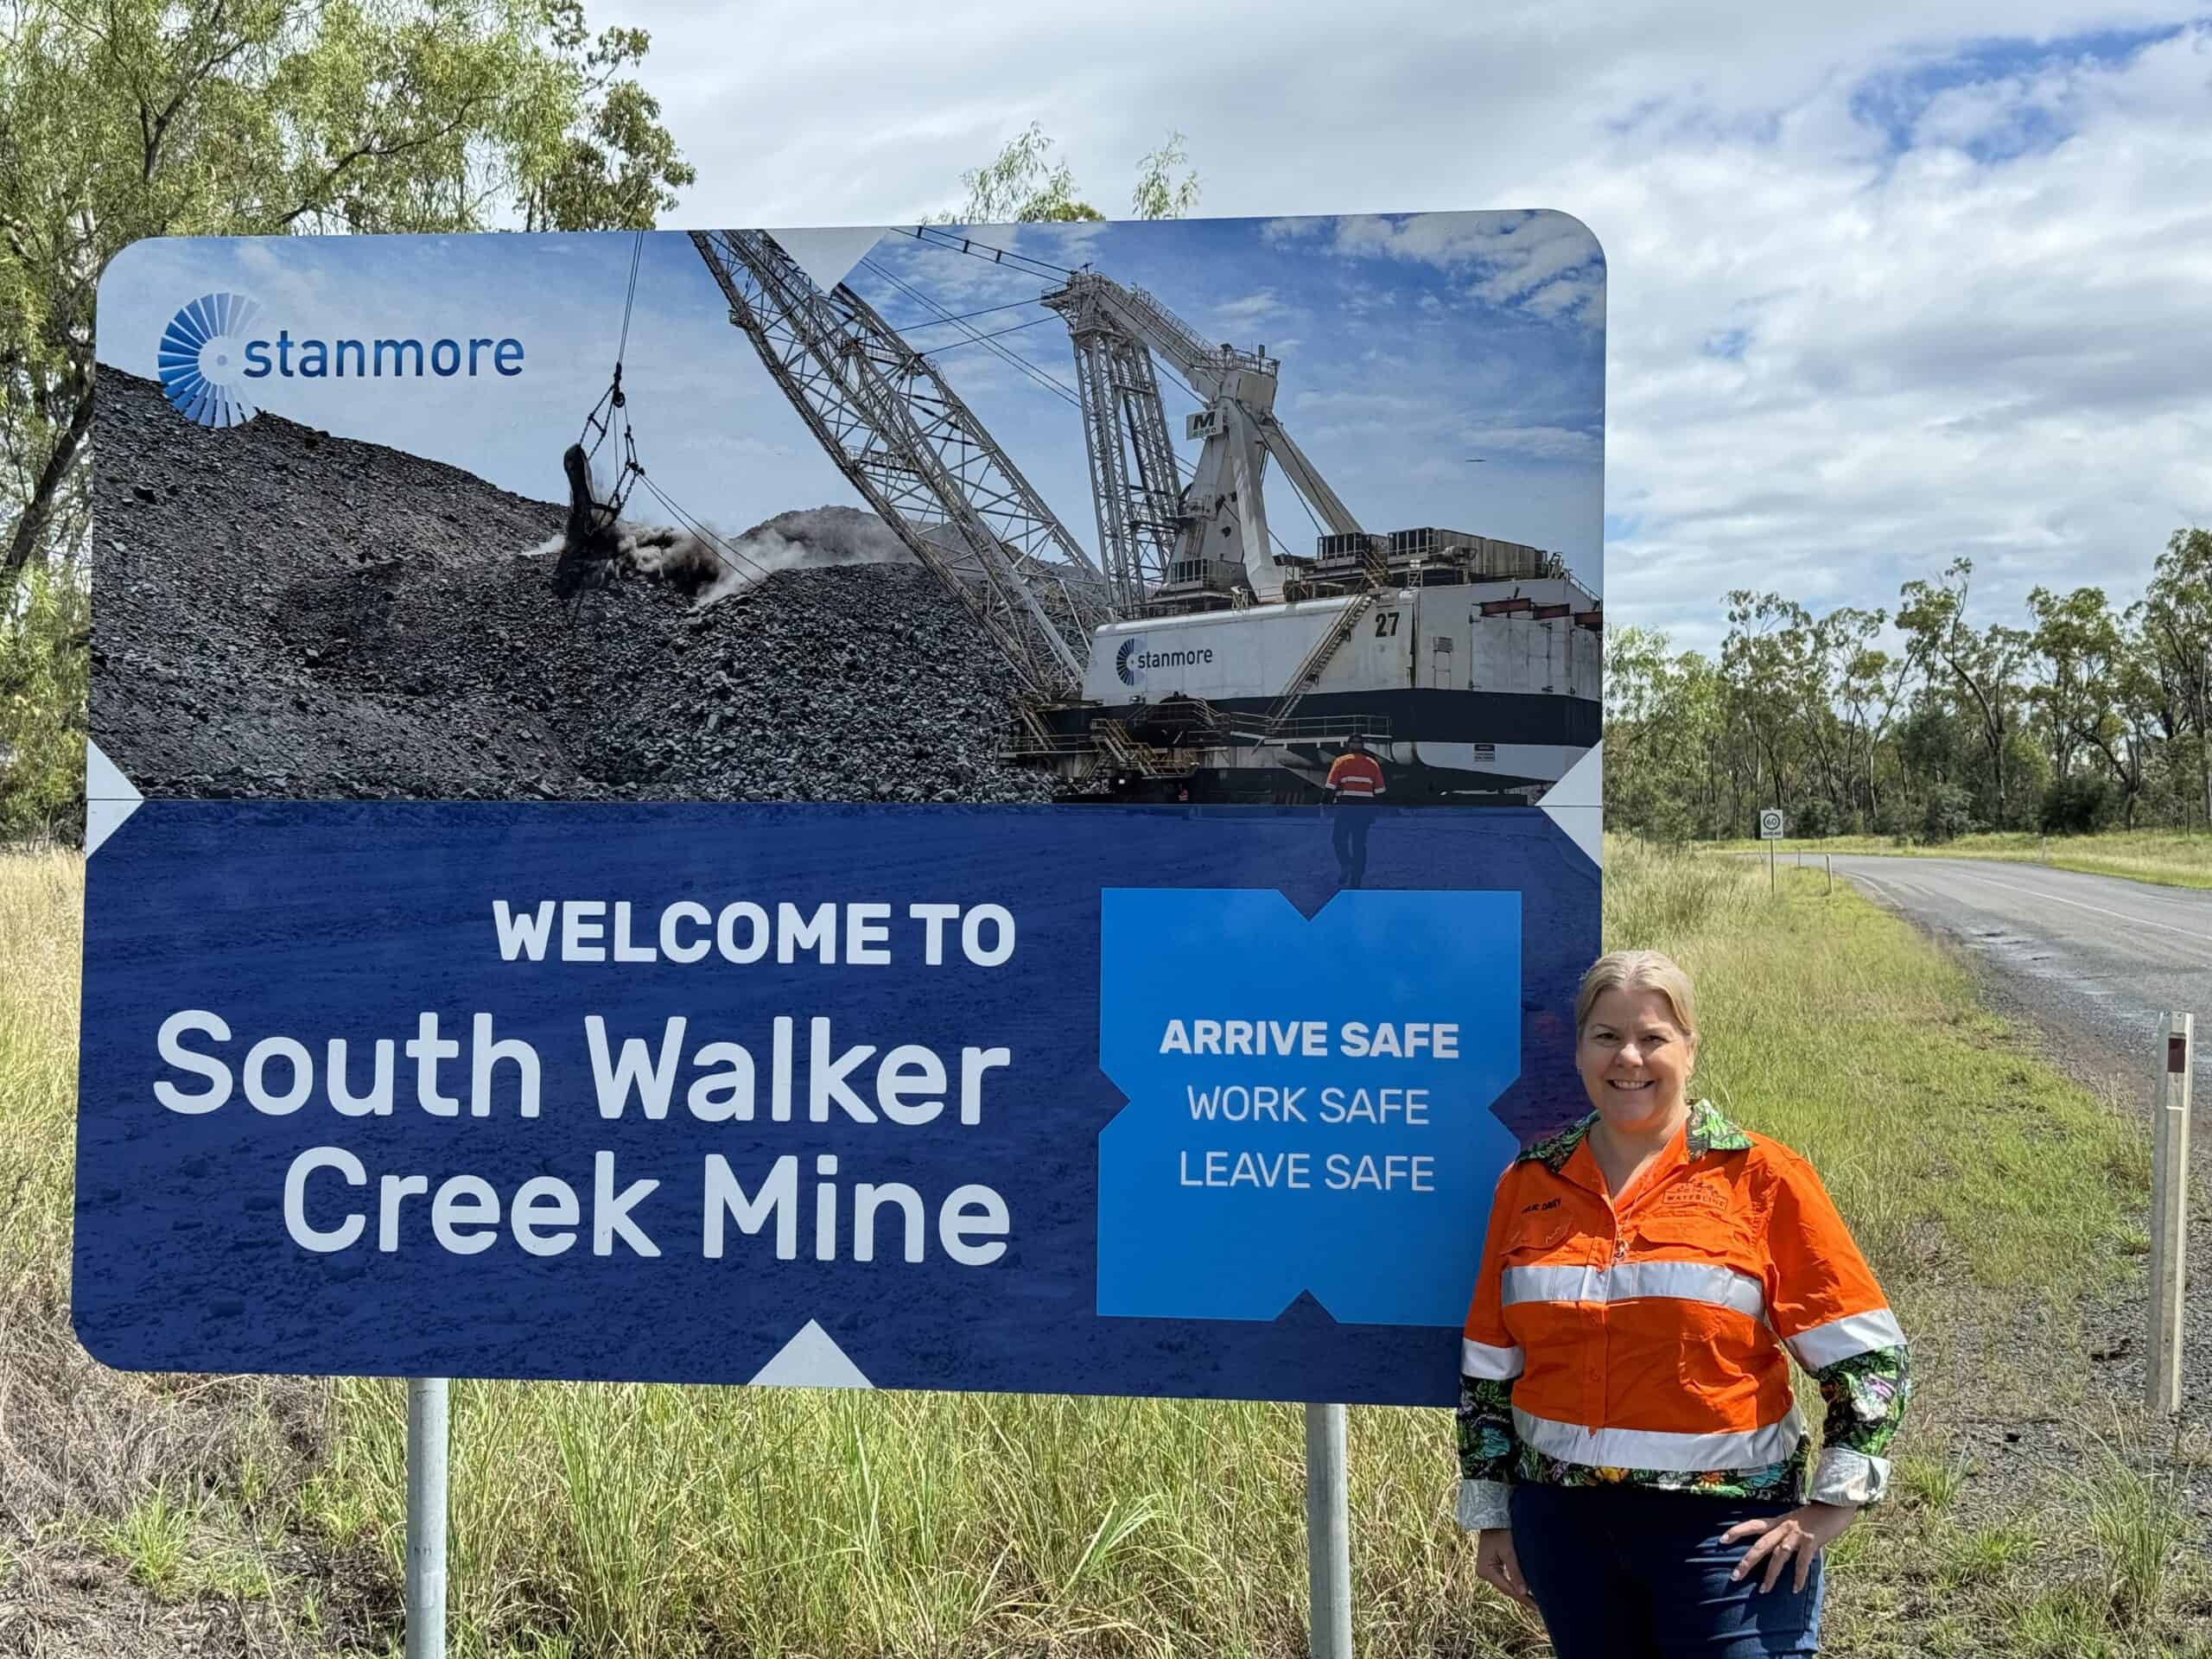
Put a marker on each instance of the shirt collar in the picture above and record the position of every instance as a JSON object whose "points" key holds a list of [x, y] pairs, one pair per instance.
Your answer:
{"points": [[1707, 1131], [1710, 1132]]}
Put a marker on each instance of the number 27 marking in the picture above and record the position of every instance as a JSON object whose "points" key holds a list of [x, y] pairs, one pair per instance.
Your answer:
{"points": [[1386, 624]]}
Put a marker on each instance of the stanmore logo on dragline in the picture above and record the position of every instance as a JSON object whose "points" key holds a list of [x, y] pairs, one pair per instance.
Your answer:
{"points": [[1131, 661], [209, 362]]}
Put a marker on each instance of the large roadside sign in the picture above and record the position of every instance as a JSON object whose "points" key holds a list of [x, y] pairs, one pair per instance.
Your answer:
{"points": [[694, 973]]}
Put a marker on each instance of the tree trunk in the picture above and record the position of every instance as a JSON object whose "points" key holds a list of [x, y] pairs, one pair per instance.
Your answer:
{"points": [[38, 512]]}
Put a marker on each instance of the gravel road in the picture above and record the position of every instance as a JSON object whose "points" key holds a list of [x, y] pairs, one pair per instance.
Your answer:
{"points": [[2092, 962]]}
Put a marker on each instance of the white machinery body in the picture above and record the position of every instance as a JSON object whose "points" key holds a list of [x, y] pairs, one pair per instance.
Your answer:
{"points": [[1504, 702]]}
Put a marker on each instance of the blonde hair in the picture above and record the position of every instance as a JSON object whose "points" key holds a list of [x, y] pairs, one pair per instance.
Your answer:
{"points": [[1638, 970]]}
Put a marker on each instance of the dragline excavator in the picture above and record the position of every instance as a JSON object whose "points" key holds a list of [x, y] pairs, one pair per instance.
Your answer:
{"points": [[1197, 658]]}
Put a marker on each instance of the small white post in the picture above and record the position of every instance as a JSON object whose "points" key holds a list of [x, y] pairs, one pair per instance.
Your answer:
{"points": [[1830, 857], [2169, 1211], [426, 1517], [1328, 1536]]}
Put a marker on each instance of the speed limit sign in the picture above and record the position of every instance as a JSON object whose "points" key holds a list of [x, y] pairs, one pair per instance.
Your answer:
{"points": [[1771, 824]]}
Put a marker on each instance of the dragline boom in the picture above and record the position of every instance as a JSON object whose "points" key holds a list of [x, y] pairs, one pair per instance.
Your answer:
{"points": [[919, 456], [1160, 536]]}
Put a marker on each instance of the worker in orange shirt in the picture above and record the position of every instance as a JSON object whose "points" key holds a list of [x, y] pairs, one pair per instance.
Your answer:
{"points": [[1355, 779], [1631, 1455]]}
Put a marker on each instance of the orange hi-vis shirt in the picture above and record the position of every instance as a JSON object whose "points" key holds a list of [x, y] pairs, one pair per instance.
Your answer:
{"points": [[1356, 777], [1646, 1342]]}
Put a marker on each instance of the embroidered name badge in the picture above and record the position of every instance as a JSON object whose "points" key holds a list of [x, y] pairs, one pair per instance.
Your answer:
{"points": [[1695, 1195]]}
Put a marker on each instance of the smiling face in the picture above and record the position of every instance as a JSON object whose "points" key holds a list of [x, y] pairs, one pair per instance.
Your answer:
{"points": [[1635, 1060]]}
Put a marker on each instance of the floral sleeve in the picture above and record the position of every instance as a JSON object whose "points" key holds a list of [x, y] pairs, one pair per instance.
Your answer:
{"points": [[1488, 1444], [1865, 1395], [1489, 1361]]}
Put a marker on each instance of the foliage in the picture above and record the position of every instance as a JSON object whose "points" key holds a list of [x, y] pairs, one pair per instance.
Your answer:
{"points": [[2075, 805], [2091, 716], [1947, 814], [1023, 183], [1814, 818], [1158, 194], [43, 669]]}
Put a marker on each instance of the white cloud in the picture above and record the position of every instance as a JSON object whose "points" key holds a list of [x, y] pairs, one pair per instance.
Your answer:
{"points": [[1534, 442], [1831, 366], [1251, 309]]}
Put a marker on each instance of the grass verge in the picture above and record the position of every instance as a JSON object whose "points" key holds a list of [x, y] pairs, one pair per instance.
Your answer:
{"points": [[2168, 858], [1992, 1198]]}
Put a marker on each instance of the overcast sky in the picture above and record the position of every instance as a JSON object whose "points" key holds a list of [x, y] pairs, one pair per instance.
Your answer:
{"points": [[1878, 289]]}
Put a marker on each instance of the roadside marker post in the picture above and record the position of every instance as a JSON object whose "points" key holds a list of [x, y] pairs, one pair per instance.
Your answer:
{"points": [[1328, 1534], [2170, 1211], [1829, 860], [426, 1517]]}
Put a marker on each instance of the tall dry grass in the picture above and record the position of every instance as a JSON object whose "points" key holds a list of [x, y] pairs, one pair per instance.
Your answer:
{"points": [[41, 903]]}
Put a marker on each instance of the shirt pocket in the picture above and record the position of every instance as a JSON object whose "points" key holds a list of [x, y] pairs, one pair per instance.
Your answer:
{"points": [[1536, 1263], [1700, 1299], [1536, 1238], [1705, 1236]]}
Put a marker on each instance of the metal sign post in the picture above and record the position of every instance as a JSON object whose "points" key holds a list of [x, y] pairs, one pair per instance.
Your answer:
{"points": [[2170, 1211], [1328, 1534], [1772, 827], [426, 1517]]}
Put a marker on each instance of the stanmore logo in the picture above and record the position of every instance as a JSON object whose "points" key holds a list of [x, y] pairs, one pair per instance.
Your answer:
{"points": [[208, 360]]}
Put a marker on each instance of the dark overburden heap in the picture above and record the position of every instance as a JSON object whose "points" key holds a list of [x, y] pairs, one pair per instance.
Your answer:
{"points": [[282, 613]]}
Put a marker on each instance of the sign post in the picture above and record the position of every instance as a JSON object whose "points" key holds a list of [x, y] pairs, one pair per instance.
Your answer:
{"points": [[426, 1517], [1328, 1534], [2170, 1211], [1771, 827]]}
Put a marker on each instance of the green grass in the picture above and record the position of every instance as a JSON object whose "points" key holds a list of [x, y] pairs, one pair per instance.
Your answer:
{"points": [[2171, 858], [180, 1546], [1934, 1482], [1991, 1196]]}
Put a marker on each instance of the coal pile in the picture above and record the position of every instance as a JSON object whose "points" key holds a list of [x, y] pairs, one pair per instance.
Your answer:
{"points": [[278, 613]]}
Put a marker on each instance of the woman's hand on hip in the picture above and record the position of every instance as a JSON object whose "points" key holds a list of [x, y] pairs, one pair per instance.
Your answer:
{"points": [[1797, 1537], [1497, 1566]]}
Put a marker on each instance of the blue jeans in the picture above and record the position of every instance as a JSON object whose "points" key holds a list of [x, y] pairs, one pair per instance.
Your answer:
{"points": [[1621, 1572]]}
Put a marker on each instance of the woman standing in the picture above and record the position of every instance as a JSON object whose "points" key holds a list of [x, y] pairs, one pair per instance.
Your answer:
{"points": [[1632, 1460]]}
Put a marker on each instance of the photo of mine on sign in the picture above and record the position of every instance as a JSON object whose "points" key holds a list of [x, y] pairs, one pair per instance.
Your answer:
{"points": [[1037, 512]]}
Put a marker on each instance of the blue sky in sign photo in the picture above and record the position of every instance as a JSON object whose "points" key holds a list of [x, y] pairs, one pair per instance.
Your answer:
{"points": [[1437, 368], [1886, 282]]}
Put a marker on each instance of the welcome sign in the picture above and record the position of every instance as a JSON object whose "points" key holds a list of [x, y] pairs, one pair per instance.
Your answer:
{"points": [[689, 975]]}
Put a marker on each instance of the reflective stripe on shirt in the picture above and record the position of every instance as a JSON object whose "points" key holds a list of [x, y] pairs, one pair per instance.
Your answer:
{"points": [[1857, 1333], [1652, 1448], [1686, 1281], [1492, 1364]]}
